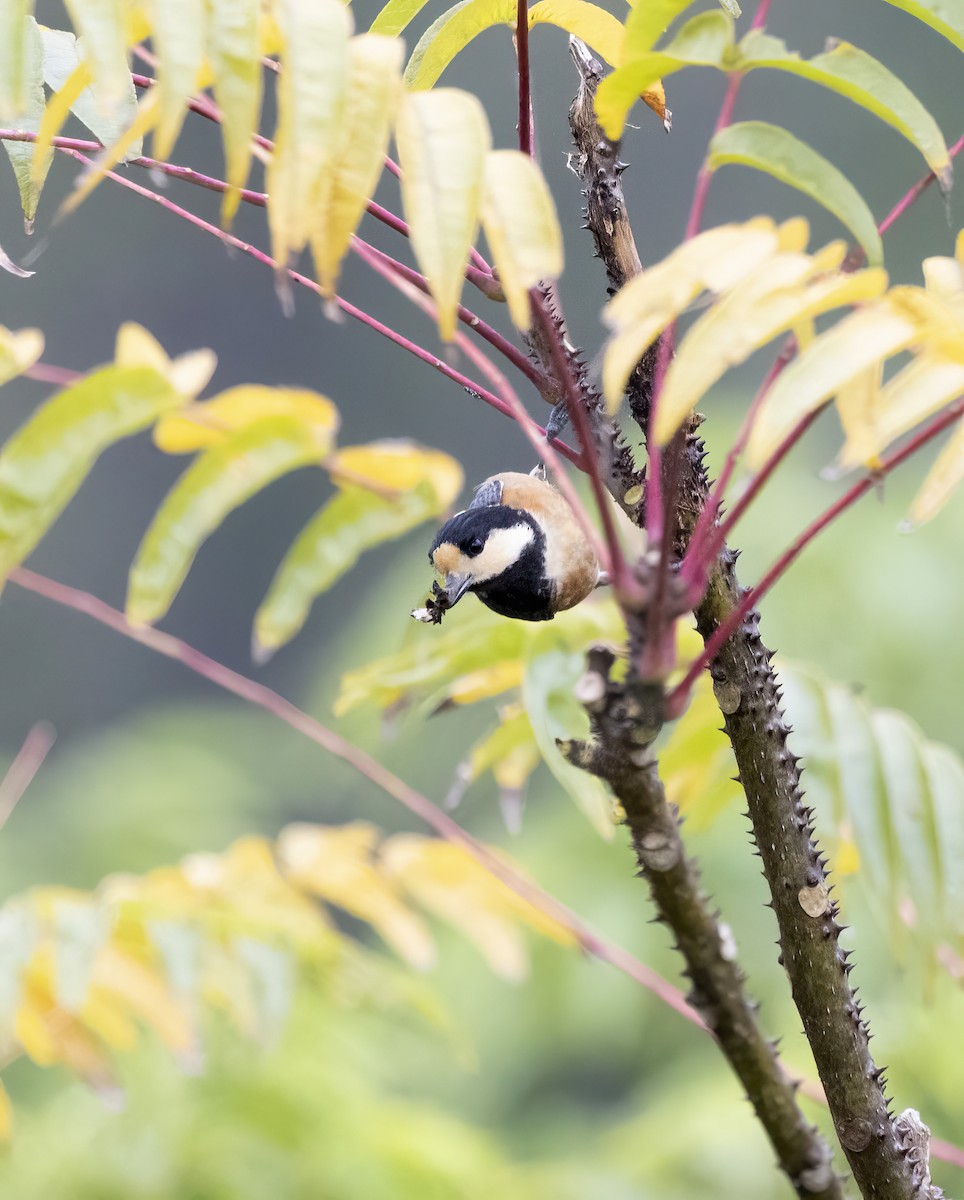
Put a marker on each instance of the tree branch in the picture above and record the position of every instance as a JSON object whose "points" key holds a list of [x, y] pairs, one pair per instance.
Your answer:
{"points": [[624, 721], [749, 695]]}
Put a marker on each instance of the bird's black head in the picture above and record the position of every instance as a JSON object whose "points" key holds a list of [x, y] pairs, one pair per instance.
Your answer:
{"points": [[499, 553]]}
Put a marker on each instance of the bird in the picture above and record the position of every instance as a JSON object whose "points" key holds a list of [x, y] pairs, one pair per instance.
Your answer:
{"points": [[518, 547]]}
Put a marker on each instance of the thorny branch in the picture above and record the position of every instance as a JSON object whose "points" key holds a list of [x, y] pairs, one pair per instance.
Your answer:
{"points": [[883, 1156]]}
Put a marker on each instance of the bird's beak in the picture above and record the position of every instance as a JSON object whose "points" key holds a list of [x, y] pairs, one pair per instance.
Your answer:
{"points": [[456, 586]]}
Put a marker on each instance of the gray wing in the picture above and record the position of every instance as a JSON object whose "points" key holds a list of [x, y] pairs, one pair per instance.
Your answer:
{"points": [[487, 494]]}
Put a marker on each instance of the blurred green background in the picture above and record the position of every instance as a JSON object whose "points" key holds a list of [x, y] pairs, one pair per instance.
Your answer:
{"points": [[581, 1085]]}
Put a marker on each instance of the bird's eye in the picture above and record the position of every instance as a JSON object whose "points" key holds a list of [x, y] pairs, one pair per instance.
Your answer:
{"points": [[475, 547]]}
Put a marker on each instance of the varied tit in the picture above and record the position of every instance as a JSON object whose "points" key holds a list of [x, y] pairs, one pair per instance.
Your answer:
{"points": [[518, 547]]}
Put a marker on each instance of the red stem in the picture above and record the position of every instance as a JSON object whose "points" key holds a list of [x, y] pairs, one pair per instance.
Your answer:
{"points": [[677, 698], [27, 762], [620, 575], [526, 132]]}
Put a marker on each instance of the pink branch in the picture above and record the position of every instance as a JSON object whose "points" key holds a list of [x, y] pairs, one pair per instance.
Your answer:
{"points": [[676, 700], [27, 762], [271, 702]]}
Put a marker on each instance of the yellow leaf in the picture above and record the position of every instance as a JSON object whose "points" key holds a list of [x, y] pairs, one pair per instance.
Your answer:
{"points": [[446, 880], [55, 114], [144, 993], [712, 261], [178, 33], [588, 22], [373, 88], [943, 479], [923, 387], [103, 26], [188, 374], [486, 682], [399, 466], [109, 158], [338, 865], [443, 137], [857, 404], [201, 425], [18, 351], [311, 98], [233, 45], [854, 344], [750, 315], [520, 223]]}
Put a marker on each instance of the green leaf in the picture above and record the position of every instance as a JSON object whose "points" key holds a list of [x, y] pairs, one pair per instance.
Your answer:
{"points": [[177, 31], [777, 152], [102, 25], [450, 34], [354, 521], [443, 138], [861, 78], [878, 781], [28, 119], [945, 16], [233, 51], [311, 98], [63, 54], [548, 690], [704, 41], [396, 16], [45, 462], [215, 484]]}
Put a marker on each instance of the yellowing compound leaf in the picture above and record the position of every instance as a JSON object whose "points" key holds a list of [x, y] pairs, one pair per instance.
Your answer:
{"points": [[696, 762], [337, 864], [443, 138], [704, 41], [18, 351], [862, 339], [861, 78], [6, 1115], [775, 151], [103, 26], [522, 228], [943, 480], [371, 101], [486, 682], [217, 482], [715, 261], [450, 34], [782, 293], [944, 16], [311, 98], [46, 461], [421, 484], [213, 421], [233, 55], [178, 31]]}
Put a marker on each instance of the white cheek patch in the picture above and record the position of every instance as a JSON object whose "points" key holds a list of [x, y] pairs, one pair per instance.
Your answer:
{"points": [[503, 547]]}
